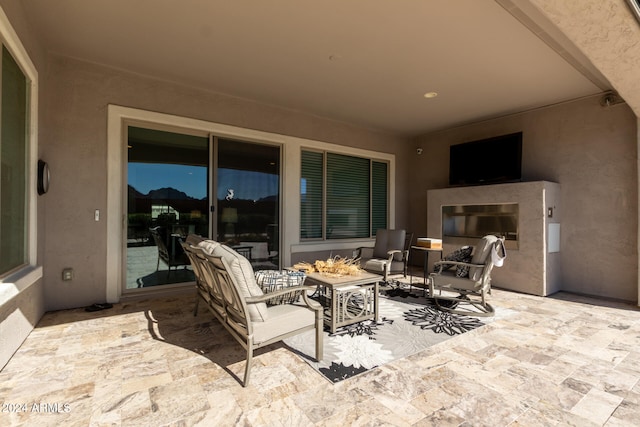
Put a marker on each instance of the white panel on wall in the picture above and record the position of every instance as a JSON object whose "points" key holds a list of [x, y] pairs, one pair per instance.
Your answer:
{"points": [[553, 242]]}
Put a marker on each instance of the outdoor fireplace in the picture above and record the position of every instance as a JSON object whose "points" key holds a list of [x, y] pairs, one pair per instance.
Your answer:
{"points": [[528, 214], [465, 224]]}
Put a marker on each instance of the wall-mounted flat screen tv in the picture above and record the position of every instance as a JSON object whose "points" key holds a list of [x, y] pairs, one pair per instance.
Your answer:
{"points": [[486, 161]]}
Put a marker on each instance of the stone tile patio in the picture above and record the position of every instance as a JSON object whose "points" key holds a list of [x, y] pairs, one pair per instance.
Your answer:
{"points": [[562, 361]]}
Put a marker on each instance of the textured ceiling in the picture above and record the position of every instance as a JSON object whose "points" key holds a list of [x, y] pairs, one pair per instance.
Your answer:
{"points": [[366, 62]]}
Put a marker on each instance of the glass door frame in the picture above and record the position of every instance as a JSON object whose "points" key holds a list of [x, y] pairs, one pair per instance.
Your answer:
{"points": [[213, 159]]}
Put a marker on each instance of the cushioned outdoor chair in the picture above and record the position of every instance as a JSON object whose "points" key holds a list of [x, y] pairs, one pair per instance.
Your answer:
{"points": [[470, 280], [195, 247], [390, 254], [169, 249], [239, 304]]}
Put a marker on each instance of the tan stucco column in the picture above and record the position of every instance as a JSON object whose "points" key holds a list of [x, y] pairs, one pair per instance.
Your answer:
{"points": [[606, 32]]}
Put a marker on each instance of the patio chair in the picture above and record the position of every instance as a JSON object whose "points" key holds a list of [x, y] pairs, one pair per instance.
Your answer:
{"points": [[390, 254], [246, 315], [472, 287], [169, 251], [194, 247]]}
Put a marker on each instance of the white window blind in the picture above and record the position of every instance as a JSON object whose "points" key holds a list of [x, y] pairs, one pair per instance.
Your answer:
{"points": [[342, 196]]}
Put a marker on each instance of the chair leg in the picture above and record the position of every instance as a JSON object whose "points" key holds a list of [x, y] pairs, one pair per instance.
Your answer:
{"points": [[482, 308], [247, 368], [319, 335], [195, 309]]}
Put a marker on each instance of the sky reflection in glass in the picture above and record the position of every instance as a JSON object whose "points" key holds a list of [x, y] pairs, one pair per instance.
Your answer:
{"points": [[246, 185]]}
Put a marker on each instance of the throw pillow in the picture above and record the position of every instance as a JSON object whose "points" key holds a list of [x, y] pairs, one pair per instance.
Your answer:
{"points": [[273, 280], [463, 270], [459, 255]]}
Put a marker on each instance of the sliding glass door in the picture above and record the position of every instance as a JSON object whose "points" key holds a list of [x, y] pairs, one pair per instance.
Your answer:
{"points": [[176, 180], [168, 198]]}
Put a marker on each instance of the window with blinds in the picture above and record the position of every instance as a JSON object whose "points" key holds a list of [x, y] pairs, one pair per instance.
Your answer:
{"points": [[311, 195], [342, 196], [379, 196]]}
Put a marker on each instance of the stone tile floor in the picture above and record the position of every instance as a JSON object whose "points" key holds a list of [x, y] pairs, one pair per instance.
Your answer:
{"points": [[558, 361]]}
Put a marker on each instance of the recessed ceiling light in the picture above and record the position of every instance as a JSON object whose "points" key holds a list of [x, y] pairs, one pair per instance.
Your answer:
{"points": [[430, 95]]}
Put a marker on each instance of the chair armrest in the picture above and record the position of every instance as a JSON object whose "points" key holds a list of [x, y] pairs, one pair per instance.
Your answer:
{"points": [[279, 292], [464, 264], [391, 253], [452, 263], [363, 252], [313, 305]]}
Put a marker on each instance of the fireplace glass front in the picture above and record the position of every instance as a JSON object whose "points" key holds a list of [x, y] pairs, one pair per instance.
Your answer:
{"points": [[465, 224]]}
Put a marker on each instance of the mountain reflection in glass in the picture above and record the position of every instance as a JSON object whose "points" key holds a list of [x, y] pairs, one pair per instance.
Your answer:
{"points": [[167, 200]]}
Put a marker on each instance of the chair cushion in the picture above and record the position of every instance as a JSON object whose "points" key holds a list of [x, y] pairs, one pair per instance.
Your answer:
{"points": [[376, 265], [396, 267], [208, 245], [480, 256], [387, 240], [449, 280], [193, 239], [282, 318], [242, 271], [273, 280]]}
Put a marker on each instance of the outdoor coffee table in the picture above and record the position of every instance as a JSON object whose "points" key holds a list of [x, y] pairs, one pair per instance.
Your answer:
{"points": [[347, 299]]}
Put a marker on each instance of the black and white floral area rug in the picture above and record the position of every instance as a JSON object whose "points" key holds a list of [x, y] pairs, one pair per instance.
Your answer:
{"points": [[406, 324]]}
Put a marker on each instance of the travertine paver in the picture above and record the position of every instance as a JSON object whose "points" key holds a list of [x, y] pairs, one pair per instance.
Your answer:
{"points": [[553, 361]]}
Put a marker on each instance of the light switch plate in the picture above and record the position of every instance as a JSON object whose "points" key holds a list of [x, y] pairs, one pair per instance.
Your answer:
{"points": [[67, 274]]}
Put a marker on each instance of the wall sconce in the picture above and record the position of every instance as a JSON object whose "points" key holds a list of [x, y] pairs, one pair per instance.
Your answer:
{"points": [[418, 151], [44, 176]]}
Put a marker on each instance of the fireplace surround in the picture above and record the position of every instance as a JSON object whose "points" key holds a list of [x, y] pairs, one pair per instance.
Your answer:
{"points": [[528, 214]]}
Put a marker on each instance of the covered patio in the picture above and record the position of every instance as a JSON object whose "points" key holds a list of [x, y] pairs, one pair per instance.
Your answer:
{"points": [[393, 86], [562, 360]]}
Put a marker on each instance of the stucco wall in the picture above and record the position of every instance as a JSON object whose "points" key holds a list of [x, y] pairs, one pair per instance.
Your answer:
{"points": [[18, 316], [21, 311], [607, 33], [76, 147], [591, 152]]}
